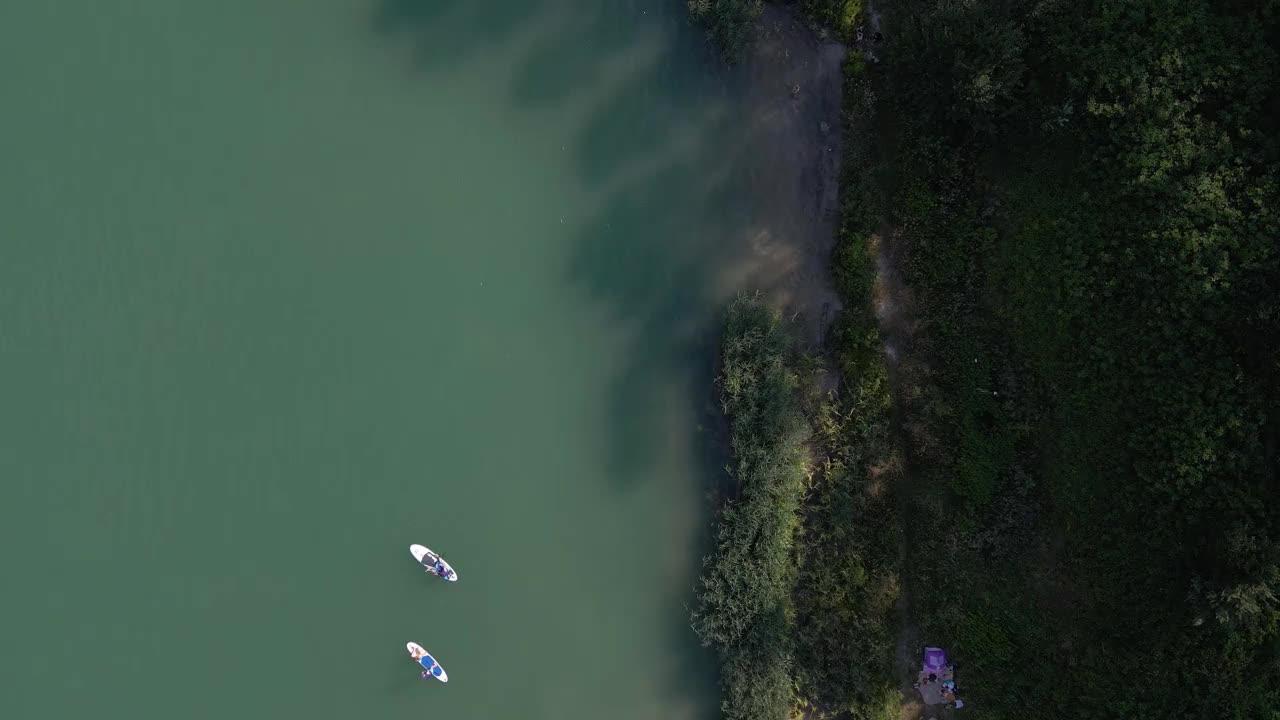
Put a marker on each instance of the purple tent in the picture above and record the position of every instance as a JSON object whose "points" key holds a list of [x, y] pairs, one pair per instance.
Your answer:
{"points": [[934, 660]]}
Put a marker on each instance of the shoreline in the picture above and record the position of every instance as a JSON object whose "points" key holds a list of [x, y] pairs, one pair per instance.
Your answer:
{"points": [[812, 263], [794, 138]]}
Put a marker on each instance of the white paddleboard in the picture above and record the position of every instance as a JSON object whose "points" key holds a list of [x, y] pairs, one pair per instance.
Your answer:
{"points": [[417, 650], [427, 559]]}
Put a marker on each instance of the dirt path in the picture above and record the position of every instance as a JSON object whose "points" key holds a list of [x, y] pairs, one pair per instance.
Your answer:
{"points": [[894, 307], [794, 106], [893, 304], [793, 147], [794, 84]]}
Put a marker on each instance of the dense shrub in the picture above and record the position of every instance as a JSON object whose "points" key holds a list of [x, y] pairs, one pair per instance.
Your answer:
{"points": [[848, 584], [798, 594], [729, 23], [1088, 198], [1090, 195], [841, 17], [745, 594]]}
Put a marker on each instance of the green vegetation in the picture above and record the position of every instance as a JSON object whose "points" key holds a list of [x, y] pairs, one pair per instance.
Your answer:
{"points": [[1087, 199], [729, 23], [800, 594], [1090, 197], [848, 582], [840, 16], [813, 637], [745, 600], [849, 578]]}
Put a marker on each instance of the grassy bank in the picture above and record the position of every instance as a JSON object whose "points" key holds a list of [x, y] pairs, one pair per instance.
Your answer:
{"points": [[848, 549], [745, 599], [1089, 196], [850, 575], [1085, 198], [799, 596]]}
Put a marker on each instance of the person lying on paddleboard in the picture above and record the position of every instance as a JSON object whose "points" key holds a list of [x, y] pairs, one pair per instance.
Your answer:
{"points": [[439, 569]]}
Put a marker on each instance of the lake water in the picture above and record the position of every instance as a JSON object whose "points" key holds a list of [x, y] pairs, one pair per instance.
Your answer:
{"points": [[287, 286]]}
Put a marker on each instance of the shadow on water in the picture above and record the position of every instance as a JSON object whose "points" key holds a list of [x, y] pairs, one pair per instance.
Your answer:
{"points": [[656, 257], [446, 32], [665, 147], [568, 60], [650, 259], [658, 145], [669, 154], [658, 150]]}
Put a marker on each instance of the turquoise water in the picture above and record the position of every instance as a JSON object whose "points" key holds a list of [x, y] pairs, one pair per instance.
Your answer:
{"points": [[285, 287]]}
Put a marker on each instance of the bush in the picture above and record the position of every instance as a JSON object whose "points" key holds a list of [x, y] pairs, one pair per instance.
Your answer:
{"points": [[798, 594], [842, 16], [745, 596], [729, 23], [1092, 233]]}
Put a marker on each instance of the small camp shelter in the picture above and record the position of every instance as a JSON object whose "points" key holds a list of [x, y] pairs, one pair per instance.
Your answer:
{"points": [[932, 691]]}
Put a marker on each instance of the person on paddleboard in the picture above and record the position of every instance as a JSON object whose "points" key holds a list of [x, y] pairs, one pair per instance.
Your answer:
{"points": [[433, 668], [439, 569]]}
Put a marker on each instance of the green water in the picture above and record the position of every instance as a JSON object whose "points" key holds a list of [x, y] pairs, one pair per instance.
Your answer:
{"points": [[287, 286]]}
